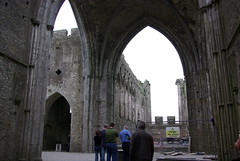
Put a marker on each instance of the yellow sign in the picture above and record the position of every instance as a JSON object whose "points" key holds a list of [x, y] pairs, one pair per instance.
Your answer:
{"points": [[172, 132]]}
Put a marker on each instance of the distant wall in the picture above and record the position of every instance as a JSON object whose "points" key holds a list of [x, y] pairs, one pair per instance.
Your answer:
{"points": [[132, 99]]}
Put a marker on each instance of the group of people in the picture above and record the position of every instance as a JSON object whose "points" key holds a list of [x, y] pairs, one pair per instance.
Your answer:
{"points": [[136, 147]]}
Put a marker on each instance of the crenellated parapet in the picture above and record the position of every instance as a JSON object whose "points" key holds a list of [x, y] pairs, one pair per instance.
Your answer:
{"points": [[64, 33]]}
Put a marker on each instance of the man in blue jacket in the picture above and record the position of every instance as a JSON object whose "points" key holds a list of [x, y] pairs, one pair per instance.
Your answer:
{"points": [[125, 136]]}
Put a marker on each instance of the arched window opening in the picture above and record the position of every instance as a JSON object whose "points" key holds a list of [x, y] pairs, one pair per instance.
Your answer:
{"points": [[65, 19], [151, 56]]}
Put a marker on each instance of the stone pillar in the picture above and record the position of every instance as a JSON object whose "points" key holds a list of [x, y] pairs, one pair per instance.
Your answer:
{"points": [[182, 100], [122, 100], [32, 134], [171, 120], [87, 126], [159, 120], [200, 113], [76, 131], [126, 109], [129, 103]]}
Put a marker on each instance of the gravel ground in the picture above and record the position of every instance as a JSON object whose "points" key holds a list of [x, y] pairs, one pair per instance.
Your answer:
{"points": [[66, 156]]}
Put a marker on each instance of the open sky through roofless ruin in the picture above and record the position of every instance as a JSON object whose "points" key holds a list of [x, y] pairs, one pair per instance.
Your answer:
{"points": [[152, 57]]}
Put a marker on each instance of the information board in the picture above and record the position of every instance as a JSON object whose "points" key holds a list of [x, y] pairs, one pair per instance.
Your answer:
{"points": [[172, 132]]}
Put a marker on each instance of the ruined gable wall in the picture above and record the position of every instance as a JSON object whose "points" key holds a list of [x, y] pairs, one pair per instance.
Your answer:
{"points": [[65, 69]]}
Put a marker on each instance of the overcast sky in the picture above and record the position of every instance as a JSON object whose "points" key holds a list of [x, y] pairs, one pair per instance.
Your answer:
{"points": [[152, 57]]}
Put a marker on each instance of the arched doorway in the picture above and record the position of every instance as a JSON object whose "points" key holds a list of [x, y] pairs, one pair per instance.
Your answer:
{"points": [[57, 125]]}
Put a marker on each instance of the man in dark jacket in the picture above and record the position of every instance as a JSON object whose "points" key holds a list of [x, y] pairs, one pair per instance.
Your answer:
{"points": [[141, 147]]}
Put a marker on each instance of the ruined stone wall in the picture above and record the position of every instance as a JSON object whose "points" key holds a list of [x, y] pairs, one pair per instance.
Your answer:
{"points": [[158, 131], [15, 26], [221, 26], [230, 112], [230, 13], [66, 79], [131, 97]]}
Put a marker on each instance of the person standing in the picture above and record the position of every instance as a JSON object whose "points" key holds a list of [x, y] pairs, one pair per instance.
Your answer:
{"points": [[237, 146], [103, 146], [141, 146], [111, 143], [68, 143], [125, 136], [97, 145]]}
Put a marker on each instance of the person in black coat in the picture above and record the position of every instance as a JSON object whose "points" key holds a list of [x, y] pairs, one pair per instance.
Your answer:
{"points": [[97, 145], [141, 146]]}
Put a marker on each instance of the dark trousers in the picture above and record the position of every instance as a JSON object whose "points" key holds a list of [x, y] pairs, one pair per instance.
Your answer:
{"points": [[98, 153], [112, 152], [126, 148]]}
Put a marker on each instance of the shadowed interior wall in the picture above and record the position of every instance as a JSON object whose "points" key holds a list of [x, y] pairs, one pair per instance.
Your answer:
{"points": [[57, 125]]}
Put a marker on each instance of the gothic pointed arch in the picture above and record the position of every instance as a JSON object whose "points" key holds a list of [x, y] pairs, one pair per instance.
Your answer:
{"points": [[180, 32], [43, 19], [57, 123], [187, 55], [176, 29]]}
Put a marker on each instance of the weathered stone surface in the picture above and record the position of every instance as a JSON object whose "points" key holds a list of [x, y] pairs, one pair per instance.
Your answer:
{"points": [[132, 100], [66, 79], [159, 120], [171, 119], [205, 34]]}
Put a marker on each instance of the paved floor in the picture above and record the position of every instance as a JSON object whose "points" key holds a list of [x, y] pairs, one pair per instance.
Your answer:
{"points": [[65, 156]]}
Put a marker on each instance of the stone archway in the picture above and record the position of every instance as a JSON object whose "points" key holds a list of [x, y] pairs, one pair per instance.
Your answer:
{"points": [[190, 62], [57, 123], [42, 32], [205, 33]]}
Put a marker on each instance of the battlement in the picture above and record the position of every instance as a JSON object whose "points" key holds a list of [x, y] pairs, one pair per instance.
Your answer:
{"points": [[64, 33], [60, 33], [170, 120]]}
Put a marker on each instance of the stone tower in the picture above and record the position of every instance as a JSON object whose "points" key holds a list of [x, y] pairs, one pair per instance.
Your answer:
{"points": [[65, 80]]}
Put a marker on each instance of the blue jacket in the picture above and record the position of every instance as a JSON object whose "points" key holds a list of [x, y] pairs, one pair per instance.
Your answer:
{"points": [[125, 135]]}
